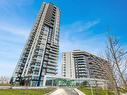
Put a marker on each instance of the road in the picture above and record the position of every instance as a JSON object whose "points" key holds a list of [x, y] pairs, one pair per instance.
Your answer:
{"points": [[65, 91]]}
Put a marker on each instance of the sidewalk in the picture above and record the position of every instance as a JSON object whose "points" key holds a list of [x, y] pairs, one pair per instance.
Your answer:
{"points": [[59, 91], [67, 91]]}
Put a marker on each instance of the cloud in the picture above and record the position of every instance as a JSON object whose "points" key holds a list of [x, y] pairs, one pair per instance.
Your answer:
{"points": [[7, 68], [12, 39], [94, 44], [12, 8], [80, 35], [71, 34], [80, 26], [9, 54], [68, 41], [91, 24], [13, 19], [14, 29]]}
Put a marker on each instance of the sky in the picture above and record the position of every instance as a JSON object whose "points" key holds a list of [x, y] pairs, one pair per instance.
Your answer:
{"points": [[83, 25]]}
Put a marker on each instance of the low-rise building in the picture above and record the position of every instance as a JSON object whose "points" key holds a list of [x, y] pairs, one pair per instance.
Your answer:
{"points": [[81, 64]]}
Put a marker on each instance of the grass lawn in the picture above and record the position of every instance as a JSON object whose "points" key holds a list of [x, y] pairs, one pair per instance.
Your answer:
{"points": [[123, 90], [26, 92], [97, 91], [5, 84]]}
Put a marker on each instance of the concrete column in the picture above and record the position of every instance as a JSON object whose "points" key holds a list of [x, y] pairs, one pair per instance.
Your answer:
{"points": [[52, 82], [44, 81]]}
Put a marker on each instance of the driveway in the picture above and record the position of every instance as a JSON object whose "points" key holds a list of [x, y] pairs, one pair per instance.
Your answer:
{"points": [[65, 91]]}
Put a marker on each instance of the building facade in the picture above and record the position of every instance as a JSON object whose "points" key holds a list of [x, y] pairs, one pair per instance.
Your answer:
{"points": [[81, 64], [40, 54]]}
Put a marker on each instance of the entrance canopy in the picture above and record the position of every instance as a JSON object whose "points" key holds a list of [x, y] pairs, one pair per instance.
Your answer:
{"points": [[64, 81]]}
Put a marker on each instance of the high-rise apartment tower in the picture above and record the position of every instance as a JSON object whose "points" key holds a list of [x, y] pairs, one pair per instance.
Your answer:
{"points": [[40, 54]]}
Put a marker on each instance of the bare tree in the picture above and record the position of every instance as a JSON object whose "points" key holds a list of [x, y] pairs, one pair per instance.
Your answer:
{"points": [[116, 57], [4, 80], [107, 71]]}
